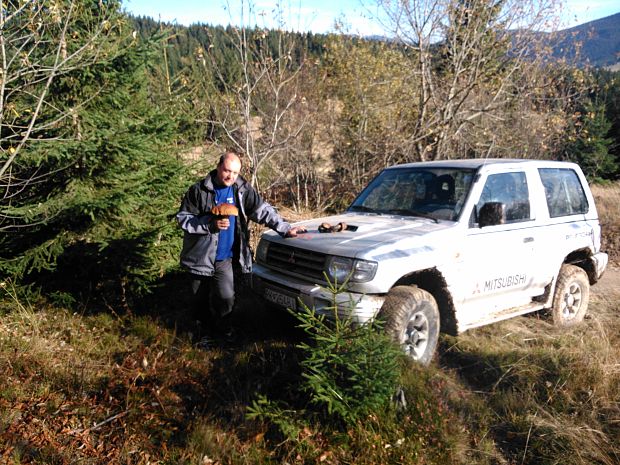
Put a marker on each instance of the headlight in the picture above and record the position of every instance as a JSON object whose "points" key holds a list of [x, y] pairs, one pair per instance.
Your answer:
{"points": [[339, 269], [261, 251], [363, 271]]}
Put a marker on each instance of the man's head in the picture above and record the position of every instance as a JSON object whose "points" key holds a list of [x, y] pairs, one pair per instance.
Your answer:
{"points": [[228, 169]]}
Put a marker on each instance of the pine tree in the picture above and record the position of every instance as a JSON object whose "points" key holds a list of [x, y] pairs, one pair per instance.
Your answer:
{"points": [[103, 186], [608, 91], [588, 143]]}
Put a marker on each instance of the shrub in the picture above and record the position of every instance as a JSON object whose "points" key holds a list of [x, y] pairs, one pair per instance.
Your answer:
{"points": [[349, 371]]}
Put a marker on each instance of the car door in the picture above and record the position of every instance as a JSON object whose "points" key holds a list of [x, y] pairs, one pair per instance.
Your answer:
{"points": [[498, 261], [571, 222]]}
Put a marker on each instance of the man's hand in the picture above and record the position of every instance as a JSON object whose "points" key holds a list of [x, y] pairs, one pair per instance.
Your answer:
{"points": [[294, 231], [222, 223]]}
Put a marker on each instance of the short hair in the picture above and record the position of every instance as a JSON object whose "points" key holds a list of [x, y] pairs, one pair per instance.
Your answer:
{"points": [[225, 155]]}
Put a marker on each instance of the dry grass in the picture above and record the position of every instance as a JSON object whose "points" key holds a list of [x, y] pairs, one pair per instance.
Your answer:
{"points": [[607, 199], [102, 388], [545, 395]]}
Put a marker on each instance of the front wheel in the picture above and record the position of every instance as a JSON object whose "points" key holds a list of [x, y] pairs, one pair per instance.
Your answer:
{"points": [[411, 319], [572, 293]]}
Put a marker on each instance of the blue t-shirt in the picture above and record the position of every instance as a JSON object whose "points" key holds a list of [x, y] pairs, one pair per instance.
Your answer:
{"points": [[227, 236]]}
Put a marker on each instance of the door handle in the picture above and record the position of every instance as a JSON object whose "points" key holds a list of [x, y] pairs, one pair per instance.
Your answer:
{"points": [[528, 239]]}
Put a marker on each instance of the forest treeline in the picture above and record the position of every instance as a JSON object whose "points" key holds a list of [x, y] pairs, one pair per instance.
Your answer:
{"points": [[357, 105], [99, 111]]}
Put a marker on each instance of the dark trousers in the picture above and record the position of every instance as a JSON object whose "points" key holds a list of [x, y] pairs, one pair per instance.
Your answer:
{"points": [[214, 296]]}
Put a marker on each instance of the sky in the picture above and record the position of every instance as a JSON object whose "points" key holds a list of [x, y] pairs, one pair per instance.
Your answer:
{"points": [[318, 16]]}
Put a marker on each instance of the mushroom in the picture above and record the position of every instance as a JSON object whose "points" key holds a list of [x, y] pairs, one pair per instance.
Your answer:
{"points": [[225, 209]]}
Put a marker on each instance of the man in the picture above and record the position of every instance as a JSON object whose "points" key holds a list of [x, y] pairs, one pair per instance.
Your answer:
{"points": [[214, 245]]}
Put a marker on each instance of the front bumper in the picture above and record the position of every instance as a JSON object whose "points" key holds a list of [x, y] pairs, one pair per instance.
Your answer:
{"points": [[599, 260], [293, 293]]}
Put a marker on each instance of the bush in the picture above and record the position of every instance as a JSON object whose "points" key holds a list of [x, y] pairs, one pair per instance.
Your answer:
{"points": [[349, 371]]}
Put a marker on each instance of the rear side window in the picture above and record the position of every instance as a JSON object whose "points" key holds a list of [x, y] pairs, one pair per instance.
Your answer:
{"points": [[564, 192]]}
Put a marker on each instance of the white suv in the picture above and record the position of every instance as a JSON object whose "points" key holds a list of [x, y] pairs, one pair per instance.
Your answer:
{"points": [[447, 244]]}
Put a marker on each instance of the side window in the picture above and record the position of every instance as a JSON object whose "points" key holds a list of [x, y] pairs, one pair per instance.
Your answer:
{"points": [[564, 192], [509, 189]]}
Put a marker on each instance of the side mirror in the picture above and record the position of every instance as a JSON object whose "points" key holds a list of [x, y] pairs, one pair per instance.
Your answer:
{"points": [[491, 214]]}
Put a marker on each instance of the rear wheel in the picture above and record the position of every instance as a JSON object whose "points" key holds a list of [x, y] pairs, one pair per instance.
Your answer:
{"points": [[572, 294], [411, 318]]}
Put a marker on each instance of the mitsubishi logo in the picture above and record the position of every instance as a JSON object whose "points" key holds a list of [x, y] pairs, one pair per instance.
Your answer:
{"points": [[291, 257]]}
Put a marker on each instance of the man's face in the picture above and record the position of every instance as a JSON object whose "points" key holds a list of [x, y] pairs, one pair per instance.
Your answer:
{"points": [[228, 171]]}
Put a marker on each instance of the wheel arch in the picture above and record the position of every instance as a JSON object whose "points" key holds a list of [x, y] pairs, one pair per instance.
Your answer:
{"points": [[432, 281], [583, 259]]}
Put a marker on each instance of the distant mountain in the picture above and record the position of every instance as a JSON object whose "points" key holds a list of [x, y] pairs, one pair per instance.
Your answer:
{"points": [[598, 43]]}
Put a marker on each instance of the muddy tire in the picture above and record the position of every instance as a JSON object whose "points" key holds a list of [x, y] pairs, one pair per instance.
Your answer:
{"points": [[411, 319], [572, 293]]}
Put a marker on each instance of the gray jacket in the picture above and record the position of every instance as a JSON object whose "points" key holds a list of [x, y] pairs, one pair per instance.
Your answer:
{"points": [[200, 236]]}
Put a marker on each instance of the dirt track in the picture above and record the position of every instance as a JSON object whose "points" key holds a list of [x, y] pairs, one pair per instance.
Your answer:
{"points": [[609, 284]]}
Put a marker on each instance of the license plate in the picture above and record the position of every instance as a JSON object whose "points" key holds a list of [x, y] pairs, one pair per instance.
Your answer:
{"points": [[280, 299]]}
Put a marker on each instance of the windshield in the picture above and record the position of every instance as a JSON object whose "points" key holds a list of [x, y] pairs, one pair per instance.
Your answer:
{"points": [[437, 193]]}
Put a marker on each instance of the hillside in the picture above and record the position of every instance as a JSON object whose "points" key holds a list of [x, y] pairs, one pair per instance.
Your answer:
{"points": [[597, 42], [102, 388]]}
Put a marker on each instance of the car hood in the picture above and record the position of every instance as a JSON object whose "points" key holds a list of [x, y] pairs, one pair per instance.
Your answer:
{"points": [[364, 233]]}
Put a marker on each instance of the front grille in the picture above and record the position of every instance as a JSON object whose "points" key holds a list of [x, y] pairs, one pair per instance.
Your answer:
{"points": [[297, 261]]}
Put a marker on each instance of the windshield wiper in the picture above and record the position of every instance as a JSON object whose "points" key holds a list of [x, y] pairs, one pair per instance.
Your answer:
{"points": [[362, 208], [409, 212]]}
